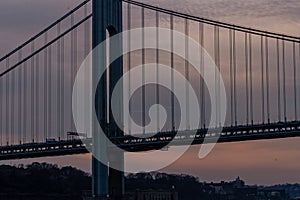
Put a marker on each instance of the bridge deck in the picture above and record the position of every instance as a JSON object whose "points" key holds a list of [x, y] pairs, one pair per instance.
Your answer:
{"points": [[135, 144]]}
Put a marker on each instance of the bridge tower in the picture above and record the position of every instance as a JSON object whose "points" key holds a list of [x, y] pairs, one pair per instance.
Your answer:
{"points": [[107, 21]]}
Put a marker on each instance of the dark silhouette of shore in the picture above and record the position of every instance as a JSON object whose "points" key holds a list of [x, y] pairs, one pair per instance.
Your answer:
{"points": [[48, 181]]}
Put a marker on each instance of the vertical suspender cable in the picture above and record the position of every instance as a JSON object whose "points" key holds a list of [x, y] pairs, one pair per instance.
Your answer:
{"points": [[62, 86], [187, 73], [129, 63], [143, 71], [267, 77], [202, 92], [262, 80], [278, 81], [12, 105], [25, 91], [75, 70], [172, 72], [58, 83], [247, 84], [157, 68], [231, 77], [296, 67], [295, 80], [45, 87], [49, 101], [37, 99], [20, 130], [217, 78], [86, 51], [72, 72], [251, 78], [234, 79], [1, 109], [32, 94], [7, 102], [284, 83]]}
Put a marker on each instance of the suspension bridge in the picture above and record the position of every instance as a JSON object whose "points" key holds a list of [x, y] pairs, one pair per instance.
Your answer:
{"points": [[259, 69]]}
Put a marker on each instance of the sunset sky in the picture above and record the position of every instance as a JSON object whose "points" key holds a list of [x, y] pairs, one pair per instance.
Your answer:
{"points": [[256, 162]]}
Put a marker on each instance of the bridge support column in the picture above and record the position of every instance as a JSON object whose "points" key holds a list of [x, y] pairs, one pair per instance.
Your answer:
{"points": [[107, 17]]}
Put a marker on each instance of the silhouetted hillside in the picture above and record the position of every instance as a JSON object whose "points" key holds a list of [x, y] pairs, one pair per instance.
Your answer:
{"points": [[188, 187], [43, 179], [46, 181], [66, 182]]}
